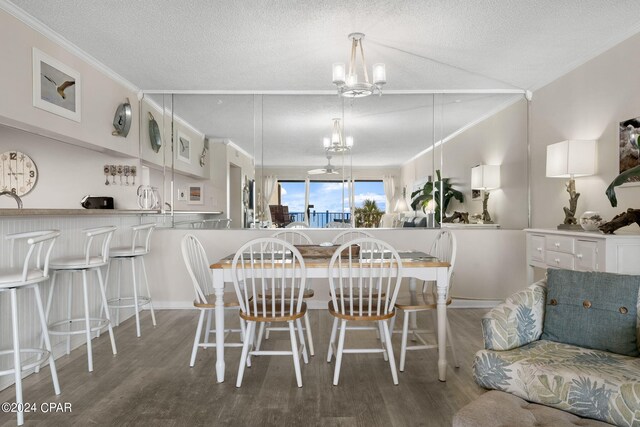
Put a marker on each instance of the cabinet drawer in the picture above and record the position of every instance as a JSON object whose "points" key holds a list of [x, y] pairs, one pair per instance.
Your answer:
{"points": [[559, 260], [536, 247], [560, 244], [586, 255]]}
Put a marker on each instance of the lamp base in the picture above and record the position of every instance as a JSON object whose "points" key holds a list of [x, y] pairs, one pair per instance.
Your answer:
{"points": [[573, 227]]}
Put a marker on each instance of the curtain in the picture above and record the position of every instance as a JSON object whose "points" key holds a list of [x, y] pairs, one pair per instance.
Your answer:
{"points": [[389, 192], [352, 200], [270, 185], [307, 184]]}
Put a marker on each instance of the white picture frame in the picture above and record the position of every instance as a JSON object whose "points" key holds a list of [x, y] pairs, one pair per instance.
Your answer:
{"points": [[57, 88], [195, 195], [183, 147]]}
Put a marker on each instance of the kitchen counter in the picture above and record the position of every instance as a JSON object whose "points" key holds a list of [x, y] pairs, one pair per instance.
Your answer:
{"points": [[93, 212]]}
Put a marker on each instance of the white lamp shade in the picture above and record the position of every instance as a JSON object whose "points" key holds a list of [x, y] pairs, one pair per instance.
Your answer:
{"points": [[326, 142], [349, 141], [401, 205], [572, 158], [379, 74], [485, 177], [338, 73]]}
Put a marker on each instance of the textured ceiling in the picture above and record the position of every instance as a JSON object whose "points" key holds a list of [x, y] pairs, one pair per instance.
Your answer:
{"points": [[289, 45]]}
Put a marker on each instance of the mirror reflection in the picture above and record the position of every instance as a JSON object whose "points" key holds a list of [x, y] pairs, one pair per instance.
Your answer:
{"points": [[321, 161]]}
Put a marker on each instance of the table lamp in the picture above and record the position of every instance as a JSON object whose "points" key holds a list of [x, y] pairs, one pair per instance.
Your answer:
{"points": [[571, 159], [485, 178]]}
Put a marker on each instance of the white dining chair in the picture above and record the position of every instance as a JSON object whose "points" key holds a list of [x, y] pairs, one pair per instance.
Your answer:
{"points": [[424, 299], [294, 237], [364, 287], [197, 265], [351, 234], [263, 265], [297, 224]]}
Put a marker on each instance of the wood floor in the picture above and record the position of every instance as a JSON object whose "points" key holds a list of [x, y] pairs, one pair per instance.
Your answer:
{"points": [[149, 382]]}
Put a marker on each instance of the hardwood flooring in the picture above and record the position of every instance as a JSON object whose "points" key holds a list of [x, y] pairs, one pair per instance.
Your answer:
{"points": [[150, 382]]}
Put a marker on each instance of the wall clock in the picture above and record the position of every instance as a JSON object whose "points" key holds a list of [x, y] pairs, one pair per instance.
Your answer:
{"points": [[18, 173]]}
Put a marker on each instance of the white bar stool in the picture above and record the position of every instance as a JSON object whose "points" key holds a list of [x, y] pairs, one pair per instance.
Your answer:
{"points": [[140, 246], [91, 260], [33, 271]]}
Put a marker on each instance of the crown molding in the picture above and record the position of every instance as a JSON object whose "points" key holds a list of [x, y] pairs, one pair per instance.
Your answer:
{"points": [[333, 92], [46, 31]]}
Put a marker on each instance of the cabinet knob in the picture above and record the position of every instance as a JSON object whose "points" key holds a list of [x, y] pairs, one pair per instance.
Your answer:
{"points": [[579, 256], [539, 249], [557, 245], [557, 260]]}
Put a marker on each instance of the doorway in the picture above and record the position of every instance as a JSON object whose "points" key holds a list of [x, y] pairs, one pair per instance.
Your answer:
{"points": [[235, 196]]}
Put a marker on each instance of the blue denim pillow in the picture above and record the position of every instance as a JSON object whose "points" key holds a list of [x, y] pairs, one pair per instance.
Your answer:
{"points": [[592, 310]]}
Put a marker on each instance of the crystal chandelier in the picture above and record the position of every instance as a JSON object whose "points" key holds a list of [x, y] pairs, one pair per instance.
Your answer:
{"points": [[337, 144], [348, 84]]}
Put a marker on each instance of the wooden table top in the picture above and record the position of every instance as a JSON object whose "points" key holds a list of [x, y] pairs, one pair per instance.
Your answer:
{"points": [[410, 259]]}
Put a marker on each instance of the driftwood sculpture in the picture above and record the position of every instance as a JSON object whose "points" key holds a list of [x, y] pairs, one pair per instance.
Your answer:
{"points": [[621, 220], [461, 217], [570, 212]]}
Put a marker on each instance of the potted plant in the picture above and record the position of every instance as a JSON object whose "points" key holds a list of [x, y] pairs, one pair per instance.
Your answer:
{"points": [[431, 191], [369, 215]]}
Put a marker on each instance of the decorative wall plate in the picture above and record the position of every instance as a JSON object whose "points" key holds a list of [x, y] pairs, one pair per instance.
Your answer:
{"points": [[18, 173], [122, 119], [154, 134]]}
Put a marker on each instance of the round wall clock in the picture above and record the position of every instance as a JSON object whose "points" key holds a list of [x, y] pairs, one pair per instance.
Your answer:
{"points": [[18, 173], [154, 134], [122, 119]]}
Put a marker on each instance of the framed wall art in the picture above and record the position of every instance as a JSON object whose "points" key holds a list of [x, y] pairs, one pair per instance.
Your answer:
{"points": [[57, 87], [184, 148], [195, 195], [629, 153]]}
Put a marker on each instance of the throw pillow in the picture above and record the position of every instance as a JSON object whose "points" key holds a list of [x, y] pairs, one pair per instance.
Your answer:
{"points": [[592, 310]]}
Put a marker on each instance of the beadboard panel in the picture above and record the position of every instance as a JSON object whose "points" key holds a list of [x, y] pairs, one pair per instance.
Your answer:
{"points": [[70, 242]]}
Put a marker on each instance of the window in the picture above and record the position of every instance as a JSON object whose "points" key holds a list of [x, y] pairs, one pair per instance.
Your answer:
{"points": [[328, 200]]}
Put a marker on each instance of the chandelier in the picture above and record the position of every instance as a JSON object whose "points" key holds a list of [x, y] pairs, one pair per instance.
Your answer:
{"points": [[336, 143], [348, 84]]}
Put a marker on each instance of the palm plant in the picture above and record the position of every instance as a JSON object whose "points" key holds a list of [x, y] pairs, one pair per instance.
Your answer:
{"points": [[431, 191], [369, 215]]}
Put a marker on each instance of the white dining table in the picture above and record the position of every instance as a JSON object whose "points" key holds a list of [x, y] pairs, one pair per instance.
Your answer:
{"points": [[415, 266]]}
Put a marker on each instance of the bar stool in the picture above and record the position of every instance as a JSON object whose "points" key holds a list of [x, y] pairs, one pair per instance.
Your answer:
{"points": [[35, 269], [140, 246], [91, 260]]}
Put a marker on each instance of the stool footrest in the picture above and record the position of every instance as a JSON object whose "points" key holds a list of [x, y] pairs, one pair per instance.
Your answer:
{"points": [[64, 327], [43, 356], [118, 303]]}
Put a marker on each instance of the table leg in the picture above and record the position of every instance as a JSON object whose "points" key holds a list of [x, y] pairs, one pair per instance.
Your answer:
{"points": [[412, 294], [442, 287], [218, 285]]}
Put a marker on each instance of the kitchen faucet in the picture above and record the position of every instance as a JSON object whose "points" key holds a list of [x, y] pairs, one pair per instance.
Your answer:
{"points": [[14, 195]]}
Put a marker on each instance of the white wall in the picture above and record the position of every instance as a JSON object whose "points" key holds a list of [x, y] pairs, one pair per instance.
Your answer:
{"points": [[498, 140], [587, 103]]}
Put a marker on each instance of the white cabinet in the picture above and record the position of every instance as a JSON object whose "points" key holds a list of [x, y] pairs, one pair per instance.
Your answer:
{"points": [[584, 251]]}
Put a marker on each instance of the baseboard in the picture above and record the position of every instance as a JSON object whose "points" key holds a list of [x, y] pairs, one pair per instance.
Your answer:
{"points": [[474, 303]]}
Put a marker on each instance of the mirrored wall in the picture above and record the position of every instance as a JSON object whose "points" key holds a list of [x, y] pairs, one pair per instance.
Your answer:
{"points": [[256, 161]]}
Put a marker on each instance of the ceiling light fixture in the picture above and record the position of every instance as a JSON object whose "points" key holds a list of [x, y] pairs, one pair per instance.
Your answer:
{"points": [[336, 143], [348, 84]]}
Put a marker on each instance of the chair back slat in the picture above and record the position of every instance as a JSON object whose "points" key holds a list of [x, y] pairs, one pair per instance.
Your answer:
{"points": [[39, 243], [269, 278], [444, 248], [197, 265], [102, 237], [142, 232], [348, 235], [366, 284], [293, 236]]}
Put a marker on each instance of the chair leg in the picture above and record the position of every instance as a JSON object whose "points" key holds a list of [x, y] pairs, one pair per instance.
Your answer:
{"points": [[243, 330], [403, 345], [332, 340], [196, 340], [307, 325], [146, 281], [69, 305], [305, 357], [260, 335], [17, 366], [46, 316], [392, 360], [103, 295], [453, 348], [393, 324], [87, 320], [266, 335], [135, 295], [294, 351], [245, 353], [47, 341], [336, 371], [382, 341], [106, 286], [119, 295], [208, 329]]}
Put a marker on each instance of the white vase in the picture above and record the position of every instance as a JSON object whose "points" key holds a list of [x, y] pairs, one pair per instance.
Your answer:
{"points": [[591, 220]]}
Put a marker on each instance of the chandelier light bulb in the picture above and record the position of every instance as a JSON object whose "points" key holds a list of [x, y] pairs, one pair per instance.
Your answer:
{"points": [[379, 74], [352, 79], [349, 141], [339, 73], [326, 142]]}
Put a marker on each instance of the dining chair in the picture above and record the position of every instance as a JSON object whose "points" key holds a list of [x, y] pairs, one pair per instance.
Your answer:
{"points": [[263, 265], [294, 237], [348, 235], [364, 285], [197, 264], [425, 299], [297, 224]]}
